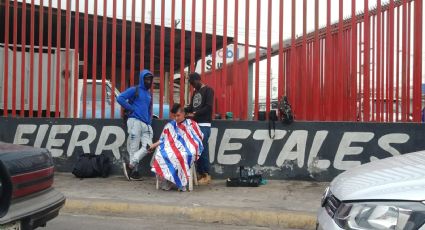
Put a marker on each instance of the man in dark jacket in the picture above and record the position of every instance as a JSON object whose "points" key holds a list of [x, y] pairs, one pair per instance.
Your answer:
{"points": [[137, 102], [201, 108]]}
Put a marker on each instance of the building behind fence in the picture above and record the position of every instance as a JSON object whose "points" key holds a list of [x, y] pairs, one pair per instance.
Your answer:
{"points": [[66, 62]]}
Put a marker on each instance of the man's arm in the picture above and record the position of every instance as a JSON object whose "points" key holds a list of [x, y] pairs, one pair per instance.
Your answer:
{"points": [[150, 109], [123, 98], [189, 108], [207, 108]]}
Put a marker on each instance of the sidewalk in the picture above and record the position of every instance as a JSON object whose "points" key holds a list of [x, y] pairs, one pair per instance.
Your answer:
{"points": [[288, 204]]}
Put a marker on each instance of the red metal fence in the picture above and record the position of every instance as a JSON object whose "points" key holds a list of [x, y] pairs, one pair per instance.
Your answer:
{"points": [[365, 68]]}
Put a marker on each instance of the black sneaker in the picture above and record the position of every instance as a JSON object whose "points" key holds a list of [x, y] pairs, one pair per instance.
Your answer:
{"points": [[135, 175]]}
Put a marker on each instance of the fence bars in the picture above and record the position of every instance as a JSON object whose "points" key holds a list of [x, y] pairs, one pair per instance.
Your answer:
{"points": [[365, 68]]}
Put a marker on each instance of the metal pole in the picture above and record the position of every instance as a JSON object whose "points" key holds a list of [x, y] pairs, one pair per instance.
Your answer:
{"points": [[76, 59], [23, 43], [67, 47], [94, 62], [251, 113], [104, 54], [417, 61], [114, 51]]}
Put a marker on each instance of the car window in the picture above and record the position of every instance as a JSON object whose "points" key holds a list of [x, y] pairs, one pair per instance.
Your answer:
{"points": [[90, 92]]}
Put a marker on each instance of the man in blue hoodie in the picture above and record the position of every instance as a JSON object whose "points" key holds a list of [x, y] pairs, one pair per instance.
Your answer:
{"points": [[137, 102]]}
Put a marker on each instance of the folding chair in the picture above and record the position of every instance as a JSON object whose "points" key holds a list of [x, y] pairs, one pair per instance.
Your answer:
{"points": [[193, 179]]}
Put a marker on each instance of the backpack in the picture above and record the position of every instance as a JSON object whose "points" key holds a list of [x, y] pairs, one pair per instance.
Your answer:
{"points": [[90, 165], [247, 178], [131, 101], [272, 123], [285, 111]]}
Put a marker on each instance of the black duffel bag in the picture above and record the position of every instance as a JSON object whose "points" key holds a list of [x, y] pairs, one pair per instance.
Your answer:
{"points": [[90, 165]]}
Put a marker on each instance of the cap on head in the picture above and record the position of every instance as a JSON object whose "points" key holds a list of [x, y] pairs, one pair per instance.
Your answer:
{"points": [[194, 77]]}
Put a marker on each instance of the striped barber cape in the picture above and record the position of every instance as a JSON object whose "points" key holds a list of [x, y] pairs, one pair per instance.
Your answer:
{"points": [[180, 145]]}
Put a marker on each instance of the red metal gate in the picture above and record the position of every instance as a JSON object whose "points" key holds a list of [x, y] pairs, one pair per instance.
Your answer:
{"points": [[365, 68]]}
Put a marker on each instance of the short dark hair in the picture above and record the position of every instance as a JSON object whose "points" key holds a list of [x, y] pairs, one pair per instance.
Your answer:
{"points": [[194, 77], [176, 108]]}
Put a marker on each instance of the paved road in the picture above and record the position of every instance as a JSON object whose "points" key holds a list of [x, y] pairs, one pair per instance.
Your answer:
{"points": [[72, 222], [286, 203]]}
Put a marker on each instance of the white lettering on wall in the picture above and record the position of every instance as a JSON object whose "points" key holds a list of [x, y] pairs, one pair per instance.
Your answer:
{"points": [[233, 147], [84, 143], [41, 134], [231, 159], [212, 143], [53, 142], [20, 131], [345, 149], [263, 135], [395, 138], [318, 140], [119, 134], [298, 140]]}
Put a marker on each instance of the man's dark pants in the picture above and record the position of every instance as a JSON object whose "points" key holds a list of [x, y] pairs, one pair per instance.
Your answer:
{"points": [[203, 163]]}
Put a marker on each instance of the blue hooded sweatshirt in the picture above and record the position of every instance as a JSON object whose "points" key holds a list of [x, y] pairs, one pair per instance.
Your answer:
{"points": [[140, 108]]}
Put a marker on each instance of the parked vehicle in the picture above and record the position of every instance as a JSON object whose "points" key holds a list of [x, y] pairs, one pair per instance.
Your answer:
{"points": [[384, 194], [89, 99], [39, 83], [27, 198], [43, 85], [396, 116], [108, 103]]}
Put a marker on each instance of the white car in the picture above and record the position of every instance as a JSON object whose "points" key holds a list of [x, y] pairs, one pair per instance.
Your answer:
{"points": [[384, 194]]}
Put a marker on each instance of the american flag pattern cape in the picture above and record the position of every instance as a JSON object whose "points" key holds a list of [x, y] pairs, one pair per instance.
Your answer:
{"points": [[180, 145]]}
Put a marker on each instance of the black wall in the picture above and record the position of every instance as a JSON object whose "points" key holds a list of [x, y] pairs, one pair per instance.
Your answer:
{"points": [[303, 150]]}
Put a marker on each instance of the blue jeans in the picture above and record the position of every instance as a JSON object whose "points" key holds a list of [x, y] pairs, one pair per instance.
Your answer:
{"points": [[203, 163]]}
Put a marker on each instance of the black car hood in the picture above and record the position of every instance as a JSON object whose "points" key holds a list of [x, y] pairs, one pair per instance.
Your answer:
{"points": [[20, 159]]}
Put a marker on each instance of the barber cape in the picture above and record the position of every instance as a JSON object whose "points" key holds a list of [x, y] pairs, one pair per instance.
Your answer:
{"points": [[180, 145]]}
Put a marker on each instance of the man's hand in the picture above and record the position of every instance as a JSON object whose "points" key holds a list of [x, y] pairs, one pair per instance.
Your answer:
{"points": [[190, 115], [152, 148]]}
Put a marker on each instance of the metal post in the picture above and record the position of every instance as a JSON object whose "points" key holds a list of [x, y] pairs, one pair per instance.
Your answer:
{"points": [[172, 35], [40, 60], [94, 60], [14, 63], [182, 53], [104, 54], [114, 51], [67, 61], [251, 113], [123, 45], [76, 59], [417, 61], [257, 60], [142, 38], [58, 62], [49, 58], [132, 41], [23, 43], [161, 61], [366, 88]]}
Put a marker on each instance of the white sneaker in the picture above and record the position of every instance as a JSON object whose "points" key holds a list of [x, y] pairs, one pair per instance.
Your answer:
{"points": [[125, 169]]}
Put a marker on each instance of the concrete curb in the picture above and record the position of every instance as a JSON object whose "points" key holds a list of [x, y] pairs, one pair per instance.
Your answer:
{"points": [[233, 216]]}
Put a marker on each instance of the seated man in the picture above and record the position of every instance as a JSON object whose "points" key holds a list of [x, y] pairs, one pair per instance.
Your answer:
{"points": [[179, 146]]}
